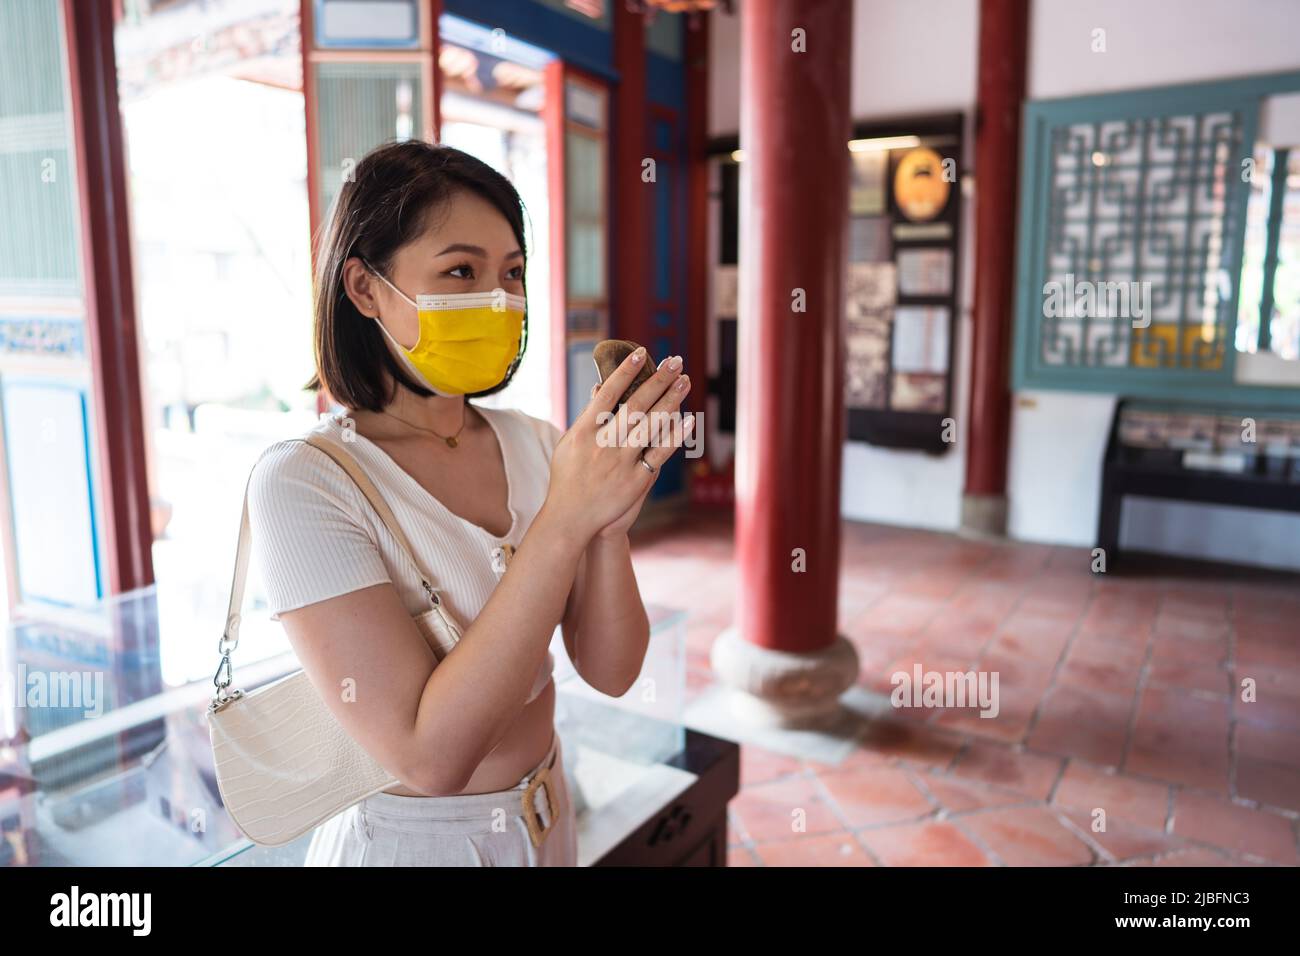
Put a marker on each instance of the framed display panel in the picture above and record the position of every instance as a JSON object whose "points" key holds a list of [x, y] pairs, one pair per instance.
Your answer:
{"points": [[723, 278], [900, 278], [901, 283]]}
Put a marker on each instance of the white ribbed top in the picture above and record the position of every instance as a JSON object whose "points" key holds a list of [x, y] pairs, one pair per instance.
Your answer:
{"points": [[315, 536]]}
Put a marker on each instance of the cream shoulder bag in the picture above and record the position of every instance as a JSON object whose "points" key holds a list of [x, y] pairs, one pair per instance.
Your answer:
{"points": [[283, 762]]}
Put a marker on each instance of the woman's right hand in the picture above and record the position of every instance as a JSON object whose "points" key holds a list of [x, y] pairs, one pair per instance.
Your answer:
{"points": [[595, 477]]}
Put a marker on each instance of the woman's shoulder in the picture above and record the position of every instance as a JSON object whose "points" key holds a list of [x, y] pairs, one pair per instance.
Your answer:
{"points": [[292, 467], [311, 532]]}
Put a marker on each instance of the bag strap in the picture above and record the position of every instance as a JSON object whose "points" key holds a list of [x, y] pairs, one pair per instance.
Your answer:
{"points": [[243, 550]]}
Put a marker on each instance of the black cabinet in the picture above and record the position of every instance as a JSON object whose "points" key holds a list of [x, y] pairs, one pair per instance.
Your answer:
{"points": [[692, 829]]}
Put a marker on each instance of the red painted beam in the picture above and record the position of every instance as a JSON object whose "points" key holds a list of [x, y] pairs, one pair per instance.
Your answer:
{"points": [[697, 206], [110, 295], [311, 125], [554, 121], [630, 315], [1003, 42], [794, 127], [433, 10], [315, 214]]}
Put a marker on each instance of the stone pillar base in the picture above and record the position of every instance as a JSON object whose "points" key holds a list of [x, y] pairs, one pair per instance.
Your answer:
{"points": [[984, 516], [771, 688]]}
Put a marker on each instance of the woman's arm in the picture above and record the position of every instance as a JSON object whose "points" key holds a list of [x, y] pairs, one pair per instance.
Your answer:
{"points": [[431, 724], [606, 630], [605, 627]]}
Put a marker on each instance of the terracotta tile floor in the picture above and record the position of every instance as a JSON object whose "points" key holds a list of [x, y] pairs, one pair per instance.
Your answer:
{"points": [[1121, 703]]}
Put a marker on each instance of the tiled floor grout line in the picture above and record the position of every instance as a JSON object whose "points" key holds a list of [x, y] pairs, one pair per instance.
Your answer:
{"points": [[1056, 781], [976, 661], [1015, 606], [840, 815], [918, 781], [1061, 658], [1232, 697], [1144, 674], [978, 841], [735, 822], [938, 813], [750, 848], [1099, 853]]}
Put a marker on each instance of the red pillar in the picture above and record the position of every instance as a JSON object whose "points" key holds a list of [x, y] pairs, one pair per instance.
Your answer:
{"points": [[110, 295], [554, 120], [630, 316], [1001, 90], [794, 130], [697, 205], [433, 10]]}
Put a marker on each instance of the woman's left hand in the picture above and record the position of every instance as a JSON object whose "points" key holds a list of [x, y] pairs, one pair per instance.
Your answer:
{"points": [[669, 435]]}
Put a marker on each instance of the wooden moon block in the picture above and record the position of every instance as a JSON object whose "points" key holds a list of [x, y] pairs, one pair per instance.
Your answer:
{"points": [[610, 353]]}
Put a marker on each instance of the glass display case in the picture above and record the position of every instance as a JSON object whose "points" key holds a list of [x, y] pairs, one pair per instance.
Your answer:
{"points": [[105, 758]]}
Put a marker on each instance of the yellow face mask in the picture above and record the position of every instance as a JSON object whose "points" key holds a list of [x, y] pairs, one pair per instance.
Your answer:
{"points": [[467, 339]]}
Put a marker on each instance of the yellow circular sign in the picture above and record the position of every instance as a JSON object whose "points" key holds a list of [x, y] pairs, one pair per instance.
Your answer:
{"points": [[920, 189]]}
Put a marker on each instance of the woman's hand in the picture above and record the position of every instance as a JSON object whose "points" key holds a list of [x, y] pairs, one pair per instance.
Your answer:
{"points": [[669, 436], [620, 525], [597, 484]]}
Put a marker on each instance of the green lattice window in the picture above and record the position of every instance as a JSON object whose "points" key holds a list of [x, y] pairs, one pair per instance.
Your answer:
{"points": [[1132, 221]]}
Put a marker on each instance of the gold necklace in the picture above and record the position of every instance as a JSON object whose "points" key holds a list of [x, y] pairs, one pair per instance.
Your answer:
{"points": [[451, 440]]}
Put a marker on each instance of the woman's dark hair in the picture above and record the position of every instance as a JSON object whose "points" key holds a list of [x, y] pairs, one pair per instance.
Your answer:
{"points": [[394, 190]]}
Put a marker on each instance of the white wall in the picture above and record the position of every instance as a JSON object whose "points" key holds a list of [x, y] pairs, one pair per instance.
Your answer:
{"points": [[910, 487], [917, 56], [913, 56], [1157, 42], [1054, 465], [909, 56], [724, 74]]}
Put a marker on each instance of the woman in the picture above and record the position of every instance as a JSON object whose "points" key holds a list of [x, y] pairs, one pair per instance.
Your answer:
{"points": [[521, 526]]}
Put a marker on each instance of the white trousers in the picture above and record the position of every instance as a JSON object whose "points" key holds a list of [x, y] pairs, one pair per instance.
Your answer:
{"points": [[476, 829]]}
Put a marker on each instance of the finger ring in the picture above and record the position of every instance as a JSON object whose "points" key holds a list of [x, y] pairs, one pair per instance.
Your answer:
{"points": [[648, 467]]}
